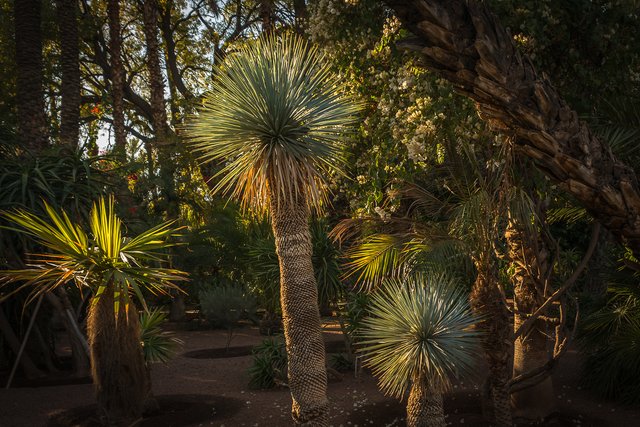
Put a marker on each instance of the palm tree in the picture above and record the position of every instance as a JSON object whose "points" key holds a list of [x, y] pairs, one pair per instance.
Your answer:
{"points": [[113, 267], [464, 43], [420, 332], [275, 118]]}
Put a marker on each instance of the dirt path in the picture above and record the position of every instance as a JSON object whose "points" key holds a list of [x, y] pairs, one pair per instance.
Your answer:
{"points": [[203, 392]]}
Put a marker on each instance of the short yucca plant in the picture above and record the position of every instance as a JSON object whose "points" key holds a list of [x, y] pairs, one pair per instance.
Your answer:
{"points": [[275, 119], [113, 267], [420, 334]]}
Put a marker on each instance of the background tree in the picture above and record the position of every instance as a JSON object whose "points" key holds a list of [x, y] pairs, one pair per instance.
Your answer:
{"points": [[67, 14], [32, 122]]}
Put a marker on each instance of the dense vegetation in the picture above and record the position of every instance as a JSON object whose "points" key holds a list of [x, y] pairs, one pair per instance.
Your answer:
{"points": [[378, 163]]}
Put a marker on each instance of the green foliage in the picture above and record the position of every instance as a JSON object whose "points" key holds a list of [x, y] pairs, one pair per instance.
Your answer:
{"points": [[66, 180], [269, 364], [341, 362], [158, 345], [593, 52], [610, 338], [263, 262], [422, 326], [223, 306], [97, 258], [276, 116]]}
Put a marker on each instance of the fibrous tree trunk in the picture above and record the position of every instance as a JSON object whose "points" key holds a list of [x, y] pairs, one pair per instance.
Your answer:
{"points": [[425, 405], [530, 273], [163, 136], [117, 361], [32, 121], [300, 313], [117, 77], [462, 41], [67, 11], [487, 302]]}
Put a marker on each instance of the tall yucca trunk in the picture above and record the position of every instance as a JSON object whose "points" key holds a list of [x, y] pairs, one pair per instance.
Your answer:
{"points": [[425, 407], [487, 302], [462, 41], [532, 349], [32, 121], [117, 77], [300, 313], [70, 62], [117, 361]]}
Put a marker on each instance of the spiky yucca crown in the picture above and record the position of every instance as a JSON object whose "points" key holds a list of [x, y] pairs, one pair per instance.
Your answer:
{"points": [[275, 117], [419, 326]]}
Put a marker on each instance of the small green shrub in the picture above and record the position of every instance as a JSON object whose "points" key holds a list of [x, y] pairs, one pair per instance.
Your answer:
{"points": [[341, 362], [224, 306], [269, 364], [158, 345]]}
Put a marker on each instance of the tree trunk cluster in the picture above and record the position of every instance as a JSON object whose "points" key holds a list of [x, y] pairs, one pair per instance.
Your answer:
{"points": [[464, 43]]}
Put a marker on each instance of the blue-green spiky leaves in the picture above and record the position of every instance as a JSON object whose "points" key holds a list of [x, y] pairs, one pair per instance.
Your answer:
{"points": [[419, 326], [275, 118]]}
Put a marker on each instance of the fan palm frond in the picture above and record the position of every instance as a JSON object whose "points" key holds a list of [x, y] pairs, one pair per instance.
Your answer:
{"points": [[276, 117]]}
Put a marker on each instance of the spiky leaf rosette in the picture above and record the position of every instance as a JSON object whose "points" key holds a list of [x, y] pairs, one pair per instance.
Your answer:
{"points": [[421, 326], [94, 258], [275, 118]]}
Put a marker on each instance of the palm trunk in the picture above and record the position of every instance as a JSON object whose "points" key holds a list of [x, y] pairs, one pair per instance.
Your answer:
{"points": [[529, 266], [117, 78], [161, 129], [32, 121], [487, 302], [70, 62], [425, 406], [117, 361], [462, 41], [300, 313]]}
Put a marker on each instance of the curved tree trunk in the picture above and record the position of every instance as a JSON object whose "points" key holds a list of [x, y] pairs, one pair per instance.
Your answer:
{"points": [[32, 121], [117, 361], [300, 314], [462, 41], [117, 78], [425, 406], [487, 302], [529, 266], [70, 61]]}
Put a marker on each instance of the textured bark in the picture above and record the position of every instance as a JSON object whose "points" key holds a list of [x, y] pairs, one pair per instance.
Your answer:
{"points": [[425, 406], [156, 81], [529, 260], [486, 301], [117, 77], [300, 314], [67, 12], [163, 136], [117, 362], [32, 121], [462, 41]]}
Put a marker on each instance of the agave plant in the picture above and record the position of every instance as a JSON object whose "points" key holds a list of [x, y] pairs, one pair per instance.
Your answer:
{"points": [[275, 118], [420, 333], [113, 267]]}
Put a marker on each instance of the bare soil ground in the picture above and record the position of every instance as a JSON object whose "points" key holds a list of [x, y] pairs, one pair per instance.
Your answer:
{"points": [[195, 389]]}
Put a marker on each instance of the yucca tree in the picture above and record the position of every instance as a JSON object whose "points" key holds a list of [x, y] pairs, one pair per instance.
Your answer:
{"points": [[420, 332], [275, 117], [113, 267]]}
